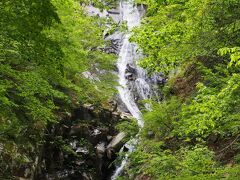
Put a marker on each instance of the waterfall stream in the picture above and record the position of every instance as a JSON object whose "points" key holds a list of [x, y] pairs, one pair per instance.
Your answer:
{"points": [[127, 59]]}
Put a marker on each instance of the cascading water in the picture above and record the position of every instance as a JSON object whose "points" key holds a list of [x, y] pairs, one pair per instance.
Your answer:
{"points": [[127, 60]]}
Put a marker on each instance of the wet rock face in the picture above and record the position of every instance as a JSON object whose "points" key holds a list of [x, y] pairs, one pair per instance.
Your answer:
{"points": [[115, 40], [120, 105], [113, 13], [141, 86], [145, 87], [142, 9], [158, 78], [79, 147], [130, 73]]}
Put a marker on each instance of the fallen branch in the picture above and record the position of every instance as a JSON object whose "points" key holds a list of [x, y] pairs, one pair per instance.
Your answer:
{"points": [[230, 144]]}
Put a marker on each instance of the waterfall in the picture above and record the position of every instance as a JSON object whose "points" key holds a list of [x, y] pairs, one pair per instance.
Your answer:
{"points": [[127, 60], [128, 55]]}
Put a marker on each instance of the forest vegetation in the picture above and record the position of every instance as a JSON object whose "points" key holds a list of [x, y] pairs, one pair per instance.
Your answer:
{"points": [[192, 133], [45, 47]]}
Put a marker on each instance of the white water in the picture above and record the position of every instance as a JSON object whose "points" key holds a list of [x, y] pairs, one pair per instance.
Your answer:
{"points": [[128, 55]]}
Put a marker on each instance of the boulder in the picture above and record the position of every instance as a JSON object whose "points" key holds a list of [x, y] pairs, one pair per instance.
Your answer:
{"points": [[130, 76], [100, 149], [116, 142], [82, 150], [130, 69]]}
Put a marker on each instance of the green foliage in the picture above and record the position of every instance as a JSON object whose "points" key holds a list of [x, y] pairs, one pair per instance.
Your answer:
{"points": [[211, 111], [45, 48], [80, 38], [147, 158], [102, 4], [187, 163], [234, 55], [198, 160], [162, 118], [129, 127], [176, 35], [176, 31], [64, 146], [230, 173], [237, 158]]}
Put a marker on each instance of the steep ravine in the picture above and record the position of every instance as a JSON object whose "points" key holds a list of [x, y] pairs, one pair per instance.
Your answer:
{"points": [[82, 146], [85, 145], [134, 84]]}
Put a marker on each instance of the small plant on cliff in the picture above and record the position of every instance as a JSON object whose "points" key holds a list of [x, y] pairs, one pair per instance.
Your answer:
{"points": [[128, 126]]}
